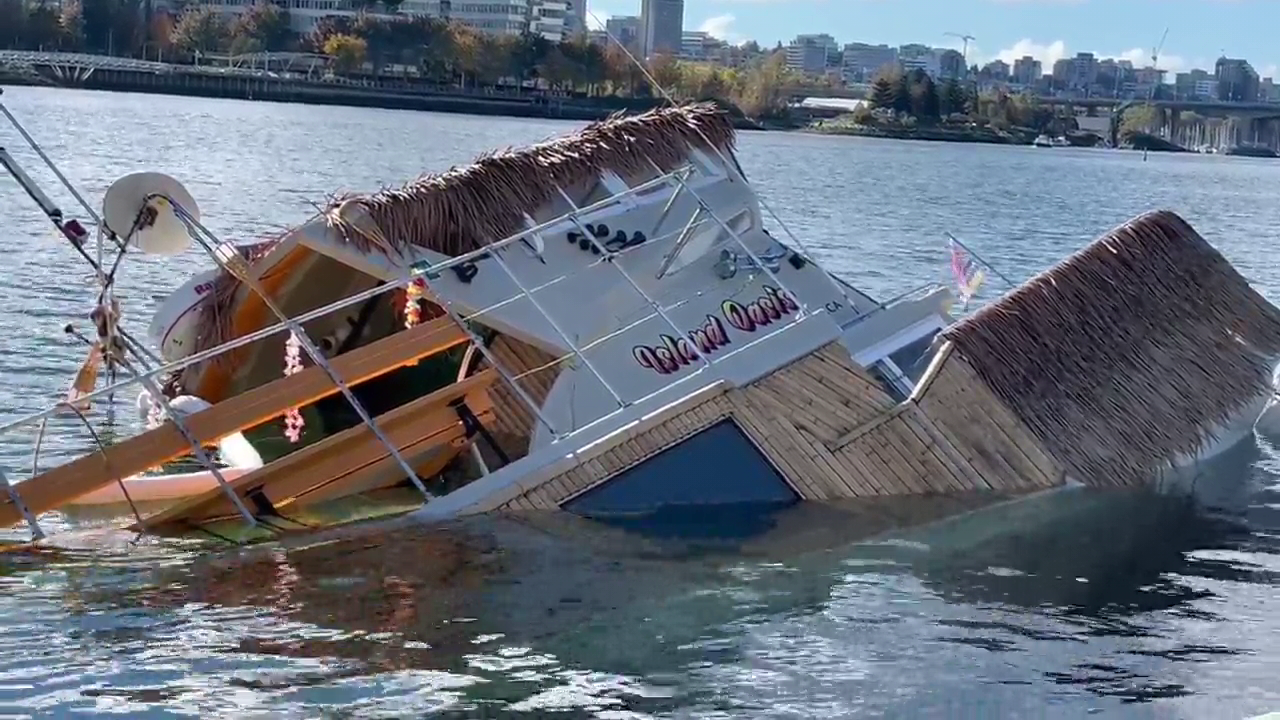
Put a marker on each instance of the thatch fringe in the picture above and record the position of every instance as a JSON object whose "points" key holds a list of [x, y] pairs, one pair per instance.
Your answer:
{"points": [[1127, 353], [463, 209]]}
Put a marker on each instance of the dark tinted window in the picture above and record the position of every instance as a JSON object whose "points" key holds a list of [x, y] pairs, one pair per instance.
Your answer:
{"points": [[717, 466], [913, 359], [882, 376]]}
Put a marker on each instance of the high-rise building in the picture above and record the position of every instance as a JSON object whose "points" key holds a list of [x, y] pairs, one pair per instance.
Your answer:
{"points": [[662, 24], [550, 19], [951, 65], [1026, 70], [997, 70], [862, 61], [575, 19], [812, 54], [1084, 71], [1237, 80], [626, 29]]}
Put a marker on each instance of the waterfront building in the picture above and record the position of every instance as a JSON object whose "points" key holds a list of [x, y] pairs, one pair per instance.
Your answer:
{"points": [[1061, 73], [504, 17], [1026, 70], [1237, 80], [627, 30], [861, 61], [662, 27], [996, 71], [1084, 72], [1195, 85], [951, 64], [700, 46], [813, 54], [552, 19], [1268, 91]]}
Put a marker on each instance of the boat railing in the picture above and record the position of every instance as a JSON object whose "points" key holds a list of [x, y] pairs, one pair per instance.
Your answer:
{"points": [[232, 262]]}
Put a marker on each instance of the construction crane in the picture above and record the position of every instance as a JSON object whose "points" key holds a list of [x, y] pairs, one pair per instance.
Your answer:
{"points": [[966, 39]]}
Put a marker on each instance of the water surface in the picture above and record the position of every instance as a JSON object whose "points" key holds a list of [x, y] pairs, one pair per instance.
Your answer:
{"points": [[1081, 604]]}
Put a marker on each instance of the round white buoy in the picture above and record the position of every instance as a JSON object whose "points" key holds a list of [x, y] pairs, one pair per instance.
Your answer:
{"points": [[140, 204]]}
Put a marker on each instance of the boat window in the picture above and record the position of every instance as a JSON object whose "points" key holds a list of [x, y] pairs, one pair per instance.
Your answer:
{"points": [[718, 466], [913, 358], [884, 375]]}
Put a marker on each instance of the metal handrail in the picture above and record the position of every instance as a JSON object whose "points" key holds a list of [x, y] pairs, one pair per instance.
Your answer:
{"points": [[415, 271]]}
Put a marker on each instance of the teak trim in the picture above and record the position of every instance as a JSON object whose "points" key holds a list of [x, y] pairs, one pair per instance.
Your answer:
{"points": [[404, 426], [66, 482]]}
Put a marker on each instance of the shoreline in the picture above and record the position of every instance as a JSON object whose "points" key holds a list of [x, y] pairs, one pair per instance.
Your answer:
{"points": [[922, 134], [190, 82]]}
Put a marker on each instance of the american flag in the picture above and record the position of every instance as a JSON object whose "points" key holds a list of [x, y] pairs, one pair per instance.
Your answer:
{"points": [[968, 276]]}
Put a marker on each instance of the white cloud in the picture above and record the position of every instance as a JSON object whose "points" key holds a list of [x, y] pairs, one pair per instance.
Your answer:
{"points": [[719, 26], [1049, 53]]}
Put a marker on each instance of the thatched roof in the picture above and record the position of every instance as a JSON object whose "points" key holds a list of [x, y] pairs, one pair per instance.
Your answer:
{"points": [[1126, 353], [465, 208]]}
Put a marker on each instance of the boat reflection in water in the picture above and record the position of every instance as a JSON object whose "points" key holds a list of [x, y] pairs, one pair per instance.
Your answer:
{"points": [[1087, 571]]}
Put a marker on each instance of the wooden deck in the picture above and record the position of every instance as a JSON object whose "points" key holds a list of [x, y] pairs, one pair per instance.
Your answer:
{"points": [[833, 433], [64, 483]]}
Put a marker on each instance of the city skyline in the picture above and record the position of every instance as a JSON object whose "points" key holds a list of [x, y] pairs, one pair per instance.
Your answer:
{"points": [[1004, 29]]}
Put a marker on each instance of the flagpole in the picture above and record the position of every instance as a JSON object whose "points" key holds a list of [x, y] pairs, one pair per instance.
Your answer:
{"points": [[980, 259]]}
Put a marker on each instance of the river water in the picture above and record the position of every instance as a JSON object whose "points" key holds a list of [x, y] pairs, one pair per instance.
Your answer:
{"points": [[1079, 604]]}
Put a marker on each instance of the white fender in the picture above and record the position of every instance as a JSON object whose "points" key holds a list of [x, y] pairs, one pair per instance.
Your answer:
{"points": [[173, 327]]}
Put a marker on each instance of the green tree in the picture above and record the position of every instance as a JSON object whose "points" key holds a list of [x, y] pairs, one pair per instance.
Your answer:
{"points": [[883, 92], [1138, 119], [902, 94], [954, 99], [349, 52], [924, 96], [13, 23], [200, 30], [43, 27]]}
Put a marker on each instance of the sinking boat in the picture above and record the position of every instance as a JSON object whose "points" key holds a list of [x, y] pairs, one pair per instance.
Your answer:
{"points": [[602, 324]]}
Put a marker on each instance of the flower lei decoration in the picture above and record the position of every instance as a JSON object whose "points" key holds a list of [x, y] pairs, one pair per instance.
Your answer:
{"points": [[293, 422], [412, 294]]}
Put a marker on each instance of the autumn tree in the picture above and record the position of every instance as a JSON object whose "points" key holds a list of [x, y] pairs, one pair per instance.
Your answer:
{"points": [[763, 87], [71, 25], [665, 71], [160, 32], [622, 73], [43, 27], [349, 52], [200, 30], [262, 27]]}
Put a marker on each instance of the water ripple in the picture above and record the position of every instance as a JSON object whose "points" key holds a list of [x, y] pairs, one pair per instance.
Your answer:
{"points": [[1084, 605]]}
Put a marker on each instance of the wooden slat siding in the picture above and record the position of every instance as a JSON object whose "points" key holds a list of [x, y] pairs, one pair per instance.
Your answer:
{"points": [[980, 427], [833, 433], [64, 483], [428, 419], [514, 423]]}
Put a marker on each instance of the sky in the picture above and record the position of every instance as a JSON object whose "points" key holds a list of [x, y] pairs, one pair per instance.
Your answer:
{"points": [[1199, 30]]}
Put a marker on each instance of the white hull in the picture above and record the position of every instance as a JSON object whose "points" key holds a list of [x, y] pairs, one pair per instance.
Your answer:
{"points": [[1184, 472], [159, 488]]}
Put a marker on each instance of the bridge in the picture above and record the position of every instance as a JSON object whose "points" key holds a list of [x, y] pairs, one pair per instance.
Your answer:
{"points": [[1211, 107], [1202, 107]]}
